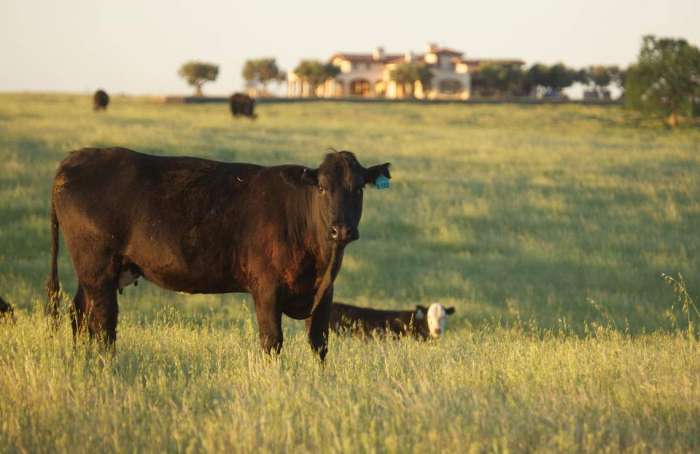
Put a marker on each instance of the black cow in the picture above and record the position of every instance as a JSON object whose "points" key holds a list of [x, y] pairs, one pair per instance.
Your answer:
{"points": [[421, 323], [6, 311], [100, 100], [201, 226], [242, 104]]}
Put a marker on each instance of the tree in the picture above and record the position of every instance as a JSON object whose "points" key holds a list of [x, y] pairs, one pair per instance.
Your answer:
{"points": [[425, 77], [315, 73], [536, 76], [561, 77], [553, 79], [665, 80], [262, 71], [198, 73], [407, 74], [502, 79], [600, 77]]}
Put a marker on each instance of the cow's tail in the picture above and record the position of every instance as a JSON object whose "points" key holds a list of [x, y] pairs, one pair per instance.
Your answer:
{"points": [[53, 288]]}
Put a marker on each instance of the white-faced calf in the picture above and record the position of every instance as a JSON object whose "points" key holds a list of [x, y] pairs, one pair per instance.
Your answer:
{"points": [[421, 323]]}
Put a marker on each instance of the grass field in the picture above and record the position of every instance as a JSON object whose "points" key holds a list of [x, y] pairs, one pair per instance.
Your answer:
{"points": [[547, 227]]}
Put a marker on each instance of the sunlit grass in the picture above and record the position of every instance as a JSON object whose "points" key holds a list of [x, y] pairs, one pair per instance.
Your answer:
{"points": [[174, 386], [547, 227]]}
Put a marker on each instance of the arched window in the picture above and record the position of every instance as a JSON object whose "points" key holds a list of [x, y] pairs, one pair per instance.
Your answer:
{"points": [[359, 87]]}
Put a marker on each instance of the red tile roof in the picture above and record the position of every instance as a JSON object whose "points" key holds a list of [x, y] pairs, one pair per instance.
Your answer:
{"points": [[402, 58], [363, 58]]}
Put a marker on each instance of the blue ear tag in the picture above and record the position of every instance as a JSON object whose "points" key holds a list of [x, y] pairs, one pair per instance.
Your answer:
{"points": [[381, 182]]}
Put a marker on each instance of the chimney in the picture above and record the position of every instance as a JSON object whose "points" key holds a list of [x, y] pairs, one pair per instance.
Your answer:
{"points": [[378, 53]]}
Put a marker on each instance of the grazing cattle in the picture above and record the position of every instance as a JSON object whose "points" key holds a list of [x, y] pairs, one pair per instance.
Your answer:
{"points": [[200, 226], [421, 323], [242, 104], [100, 100], [6, 311]]}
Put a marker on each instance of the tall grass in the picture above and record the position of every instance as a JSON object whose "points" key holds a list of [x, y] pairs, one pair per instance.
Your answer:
{"points": [[548, 227], [175, 386]]}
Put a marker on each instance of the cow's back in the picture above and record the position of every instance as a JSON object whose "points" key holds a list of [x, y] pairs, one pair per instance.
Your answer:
{"points": [[134, 186], [345, 317], [175, 212]]}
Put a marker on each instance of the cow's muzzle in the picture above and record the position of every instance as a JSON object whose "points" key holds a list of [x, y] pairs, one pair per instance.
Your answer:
{"points": [[343, 234]]}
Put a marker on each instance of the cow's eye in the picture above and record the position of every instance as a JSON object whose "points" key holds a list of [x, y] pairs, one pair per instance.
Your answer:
{"points": [[321, 189]]}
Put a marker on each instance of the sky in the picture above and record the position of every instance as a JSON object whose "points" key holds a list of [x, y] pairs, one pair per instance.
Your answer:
{"points": [[137, 46]]}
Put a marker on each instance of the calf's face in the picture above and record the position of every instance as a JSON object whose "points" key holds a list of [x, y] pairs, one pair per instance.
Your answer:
{"points": [[339, 183], [434, 318]]}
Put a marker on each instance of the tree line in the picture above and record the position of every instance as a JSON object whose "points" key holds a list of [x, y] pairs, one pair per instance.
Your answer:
{"points": [[513, 79], [663, 82]]}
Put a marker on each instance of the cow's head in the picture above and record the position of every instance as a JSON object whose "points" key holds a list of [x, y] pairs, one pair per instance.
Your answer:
{"points": [[338, 186], [432, 319]]}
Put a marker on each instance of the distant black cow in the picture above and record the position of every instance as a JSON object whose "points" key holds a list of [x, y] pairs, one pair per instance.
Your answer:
{"points": [[200, 226], [100, 100], [421, 323], [6, 311], [242, 104]]}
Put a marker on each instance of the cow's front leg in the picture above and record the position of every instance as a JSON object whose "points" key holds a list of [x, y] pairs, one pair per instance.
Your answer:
{"points": [[317, 325], [269, 317]]}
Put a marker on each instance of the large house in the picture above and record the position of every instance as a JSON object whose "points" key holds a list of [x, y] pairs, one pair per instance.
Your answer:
{"points": [[370, 75]]}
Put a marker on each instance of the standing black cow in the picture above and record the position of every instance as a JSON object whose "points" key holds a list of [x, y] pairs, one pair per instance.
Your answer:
{"points": [[100, 100], [242, 104], [201, 226]]}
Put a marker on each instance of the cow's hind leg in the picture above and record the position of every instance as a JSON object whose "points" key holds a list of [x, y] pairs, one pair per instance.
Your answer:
{"points": [[269, 317]]}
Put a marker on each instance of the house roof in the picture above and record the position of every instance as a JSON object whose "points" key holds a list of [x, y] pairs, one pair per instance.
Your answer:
{"points": [[363, 58], [402, 58], [446, 50]]}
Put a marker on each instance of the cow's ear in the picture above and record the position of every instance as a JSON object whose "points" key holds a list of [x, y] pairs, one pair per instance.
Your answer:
{"points": [[374, 172], [450, 310], [420, 312], [309, 176]]}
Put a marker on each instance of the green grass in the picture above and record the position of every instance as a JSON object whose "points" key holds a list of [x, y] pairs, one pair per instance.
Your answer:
{"points": [[547, 227]]}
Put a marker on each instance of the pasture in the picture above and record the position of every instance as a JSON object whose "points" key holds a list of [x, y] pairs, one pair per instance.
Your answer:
{"points": [[547, 227]]}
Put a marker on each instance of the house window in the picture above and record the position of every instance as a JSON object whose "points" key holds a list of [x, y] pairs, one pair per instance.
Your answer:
{"points": [[450, 86], [446, 62], [359, 87]]}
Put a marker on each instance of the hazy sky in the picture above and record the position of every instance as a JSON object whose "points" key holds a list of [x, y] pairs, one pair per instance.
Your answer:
{"points": [[136, 46]]}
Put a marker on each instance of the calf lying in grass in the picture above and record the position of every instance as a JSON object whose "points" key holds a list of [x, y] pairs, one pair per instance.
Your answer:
{"points": [[6, 311], [420, 323]]}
